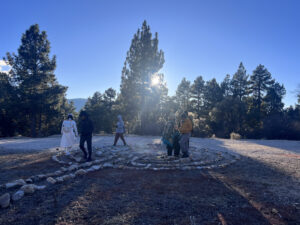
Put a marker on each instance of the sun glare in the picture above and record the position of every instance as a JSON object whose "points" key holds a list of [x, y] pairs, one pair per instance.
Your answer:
{"points": [[155, 80]]}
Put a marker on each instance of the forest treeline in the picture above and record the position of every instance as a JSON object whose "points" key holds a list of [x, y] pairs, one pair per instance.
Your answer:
{"points": [[250, 105]]}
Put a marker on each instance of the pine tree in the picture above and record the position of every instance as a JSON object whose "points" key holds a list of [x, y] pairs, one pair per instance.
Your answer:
{"points": [[240, 83], [8, 106], [143, 61], [33, 74], [273, 98], [260, 82], [197, 92], [226, 86], [212, 94], [183, 95]]}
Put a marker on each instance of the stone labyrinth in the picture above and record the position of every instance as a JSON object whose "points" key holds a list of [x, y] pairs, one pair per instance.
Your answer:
{"points": [[140, 155], [151, 156]]}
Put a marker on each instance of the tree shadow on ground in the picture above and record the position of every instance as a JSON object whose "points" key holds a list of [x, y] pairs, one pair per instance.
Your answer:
{"points": [[16, 166]]}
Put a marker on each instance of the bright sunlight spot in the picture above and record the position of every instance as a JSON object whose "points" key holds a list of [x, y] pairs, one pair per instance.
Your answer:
{"points": [[155, 80]]}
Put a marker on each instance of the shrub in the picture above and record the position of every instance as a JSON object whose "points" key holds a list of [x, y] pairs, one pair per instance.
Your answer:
{"points": [[235, 136]]}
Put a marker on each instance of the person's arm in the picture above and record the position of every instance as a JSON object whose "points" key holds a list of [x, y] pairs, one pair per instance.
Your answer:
{"points": [[75, 128], [62, 127]]}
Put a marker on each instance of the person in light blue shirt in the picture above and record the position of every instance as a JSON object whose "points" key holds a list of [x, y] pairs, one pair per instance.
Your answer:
{"points": [[120, 131]]}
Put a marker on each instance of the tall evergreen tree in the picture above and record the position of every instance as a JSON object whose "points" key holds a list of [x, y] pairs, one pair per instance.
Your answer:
{"points": [[260, 82], [273, 98], [240, 83], [33, 74], [143, 61], [183, 94], [226, 86], [212, 94], [8, 106], [197, 93]]}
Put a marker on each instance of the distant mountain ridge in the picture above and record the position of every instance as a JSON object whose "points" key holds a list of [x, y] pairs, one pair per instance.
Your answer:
{"points": [[78, 103]]}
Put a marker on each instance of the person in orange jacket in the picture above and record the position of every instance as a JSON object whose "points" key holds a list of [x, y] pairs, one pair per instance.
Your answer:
{"points": [[185, 130]]}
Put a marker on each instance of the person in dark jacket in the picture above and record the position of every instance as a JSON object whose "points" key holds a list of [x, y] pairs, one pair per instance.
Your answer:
{"points": [[86, 131]]}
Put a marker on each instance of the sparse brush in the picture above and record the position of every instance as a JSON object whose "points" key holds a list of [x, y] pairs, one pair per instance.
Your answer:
{"points": [[235, 136]]}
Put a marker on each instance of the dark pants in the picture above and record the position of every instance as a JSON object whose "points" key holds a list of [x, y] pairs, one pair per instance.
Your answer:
{"points": [[88, 140], [175, 147], [119, 135]]}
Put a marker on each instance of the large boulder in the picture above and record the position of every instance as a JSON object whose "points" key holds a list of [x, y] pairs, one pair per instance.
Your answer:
{"points": [[15, 183], [18, 195], [5, 200]]}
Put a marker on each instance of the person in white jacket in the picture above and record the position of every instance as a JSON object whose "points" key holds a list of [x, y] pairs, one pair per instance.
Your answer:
{"points": [[69, 134]]}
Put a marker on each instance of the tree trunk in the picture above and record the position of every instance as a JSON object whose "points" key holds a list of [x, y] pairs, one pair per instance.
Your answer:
{"points": [[32, 125]]}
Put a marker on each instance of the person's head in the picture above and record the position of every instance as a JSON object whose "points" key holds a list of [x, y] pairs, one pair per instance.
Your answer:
{"points": [[83, 115], [70, 117], [184, 115], [120, 118]]}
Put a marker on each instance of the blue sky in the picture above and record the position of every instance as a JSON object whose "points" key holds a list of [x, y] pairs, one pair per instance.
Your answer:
{"points": [[210, 38]]}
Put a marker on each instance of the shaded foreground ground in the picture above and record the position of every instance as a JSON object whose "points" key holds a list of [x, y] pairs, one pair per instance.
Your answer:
{"points": [[258, 189]]}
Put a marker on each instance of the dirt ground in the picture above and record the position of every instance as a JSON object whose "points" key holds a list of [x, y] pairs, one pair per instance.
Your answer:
{"points": [[258, 189]]}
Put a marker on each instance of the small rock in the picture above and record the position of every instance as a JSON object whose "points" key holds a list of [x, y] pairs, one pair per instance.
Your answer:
{"points": [[51, 180], [5, 200], [41, 176], [41, 187], [59, 179], [15, 183], [54, 158], [148, 166], [29, 181], [107, 165], [185, 160], [28, 188], [88, 164], [58, 172], [64, 169], [275, 211], [73, 167], [78, 159], [96, 167], [91, 169], [80, 172], [66, 177], [98, 153], [18, 195], [72, 175]]}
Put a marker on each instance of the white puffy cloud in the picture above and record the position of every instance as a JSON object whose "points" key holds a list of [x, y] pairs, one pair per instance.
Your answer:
{"points": [[2, 63], [4, 67]]}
